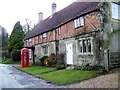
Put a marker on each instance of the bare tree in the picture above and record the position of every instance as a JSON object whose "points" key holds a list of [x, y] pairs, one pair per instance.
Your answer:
{"points": [[28, 26]]}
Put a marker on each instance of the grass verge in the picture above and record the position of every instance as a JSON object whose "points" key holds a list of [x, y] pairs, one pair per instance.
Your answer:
{"points": [[34, 70], [9, 61], [63, 77]]}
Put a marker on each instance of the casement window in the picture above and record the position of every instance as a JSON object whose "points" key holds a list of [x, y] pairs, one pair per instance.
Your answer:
{"points": [[115, 11], [84, 46], [44, 35], [79, 22], [45, 50], [59, 30], [89, 45], [30, 40]]}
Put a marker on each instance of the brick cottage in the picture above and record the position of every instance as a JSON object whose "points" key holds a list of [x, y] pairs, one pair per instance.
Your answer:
{"points": [[79, 31]]}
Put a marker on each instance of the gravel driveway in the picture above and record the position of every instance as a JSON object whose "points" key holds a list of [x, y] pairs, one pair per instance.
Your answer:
{"points": [[105, 81]]}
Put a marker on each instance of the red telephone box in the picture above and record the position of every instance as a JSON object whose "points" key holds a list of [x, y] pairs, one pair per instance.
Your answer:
{"points": [[25, 62]]}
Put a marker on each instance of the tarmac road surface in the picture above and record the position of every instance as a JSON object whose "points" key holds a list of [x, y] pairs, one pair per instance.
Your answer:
{"points": [[10, 77]]}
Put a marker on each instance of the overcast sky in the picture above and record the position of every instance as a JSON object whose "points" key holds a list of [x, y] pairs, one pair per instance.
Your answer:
{"points": [[12, 11]]}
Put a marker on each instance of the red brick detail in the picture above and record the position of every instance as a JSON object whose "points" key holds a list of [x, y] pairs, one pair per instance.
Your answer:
{"points": [[63, 33], [92, 17], [70, 29], [40, 39], [50, 36]]}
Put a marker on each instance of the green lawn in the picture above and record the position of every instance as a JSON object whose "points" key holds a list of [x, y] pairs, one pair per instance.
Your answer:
{"points": [[60, 77], [63, 77], [38, 69], [9, 61]]}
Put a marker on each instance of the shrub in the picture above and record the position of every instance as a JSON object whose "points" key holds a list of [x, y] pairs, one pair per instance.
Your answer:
{"points": [[89, 68], [60, 58], [51, 61], [102, 70], [16, 55], [60, 66], [42, 59]]}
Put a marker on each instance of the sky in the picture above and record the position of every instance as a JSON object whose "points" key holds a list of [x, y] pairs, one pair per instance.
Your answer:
{"points": [[12, 11]]}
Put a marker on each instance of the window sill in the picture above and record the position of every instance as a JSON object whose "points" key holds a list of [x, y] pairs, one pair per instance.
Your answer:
{"points": [[79, 27], [44, 37], [114, 19], [90, 54]]}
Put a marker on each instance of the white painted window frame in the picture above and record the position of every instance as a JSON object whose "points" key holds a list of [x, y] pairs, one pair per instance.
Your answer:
{"points": [[44, 35], [79, 22], [30, 40]]}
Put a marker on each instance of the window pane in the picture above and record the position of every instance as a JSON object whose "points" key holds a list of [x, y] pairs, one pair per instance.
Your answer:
{"points": [[81, 21], [59, 30], [78, 22], [44, 35], [115, 8], [89, 45], [45, 49], [80, 46], [84, 45], [30, 40], [75, 23]]}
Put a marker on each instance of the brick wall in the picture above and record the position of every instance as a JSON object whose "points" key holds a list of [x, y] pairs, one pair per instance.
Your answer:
{"points": [[92, 17], [68, 30], [40, 39]]}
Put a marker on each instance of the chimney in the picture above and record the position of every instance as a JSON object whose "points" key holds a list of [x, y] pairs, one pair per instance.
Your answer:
{"points": [[53, 7], [40, 17]]}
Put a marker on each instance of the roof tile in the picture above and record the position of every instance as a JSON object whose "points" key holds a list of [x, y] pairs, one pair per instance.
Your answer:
{"points": [[74, 10]]}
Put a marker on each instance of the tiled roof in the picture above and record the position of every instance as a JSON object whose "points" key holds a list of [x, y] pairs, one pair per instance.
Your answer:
{"points": [[73, 11]]}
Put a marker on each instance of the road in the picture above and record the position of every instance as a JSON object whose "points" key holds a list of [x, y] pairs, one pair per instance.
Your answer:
{"points": [[10, 77]]}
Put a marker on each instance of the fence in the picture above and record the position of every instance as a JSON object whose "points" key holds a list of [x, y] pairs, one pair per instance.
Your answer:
{"points": [[114, 59]]}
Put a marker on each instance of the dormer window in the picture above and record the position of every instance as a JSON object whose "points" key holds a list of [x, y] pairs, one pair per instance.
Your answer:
{"points": [[44, 35], [79, 22]]}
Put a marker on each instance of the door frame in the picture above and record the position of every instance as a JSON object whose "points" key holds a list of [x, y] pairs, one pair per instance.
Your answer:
{"points": [[67, 56]]}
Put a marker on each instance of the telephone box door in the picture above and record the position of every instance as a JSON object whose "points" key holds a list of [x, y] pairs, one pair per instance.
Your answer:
{"points": [[25, 62]]}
